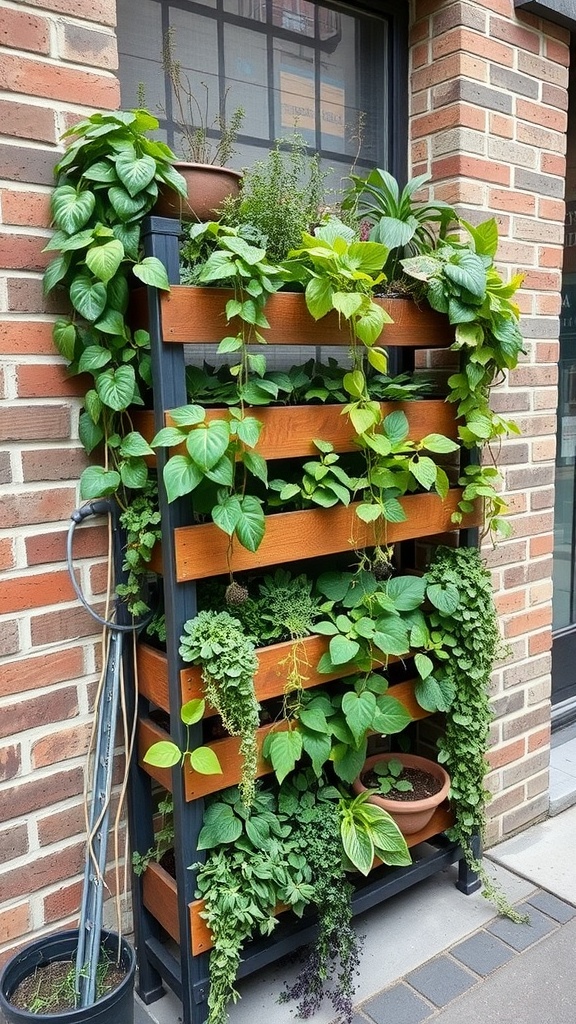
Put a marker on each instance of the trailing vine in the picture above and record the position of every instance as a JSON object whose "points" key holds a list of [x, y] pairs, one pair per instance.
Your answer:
{"points": [[477, 644], [217, 642]]}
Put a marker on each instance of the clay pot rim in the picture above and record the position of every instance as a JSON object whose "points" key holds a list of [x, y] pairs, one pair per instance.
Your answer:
{"points": [[410, 761]]}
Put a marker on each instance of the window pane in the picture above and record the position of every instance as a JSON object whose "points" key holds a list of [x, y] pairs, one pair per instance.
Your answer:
{"points": [[291, 64]]}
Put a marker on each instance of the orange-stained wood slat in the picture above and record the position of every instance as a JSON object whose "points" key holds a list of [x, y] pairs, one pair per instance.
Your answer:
{"points": [[195, 316], [202, 551], [288, 431], [269, 681], [196, 785], [160, 897]]}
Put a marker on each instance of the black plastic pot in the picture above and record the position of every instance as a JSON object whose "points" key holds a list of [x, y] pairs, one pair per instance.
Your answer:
{"points": [[116, 1007]]}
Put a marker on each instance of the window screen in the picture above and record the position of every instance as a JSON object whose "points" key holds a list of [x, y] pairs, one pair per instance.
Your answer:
{"points": [[322, 70]]}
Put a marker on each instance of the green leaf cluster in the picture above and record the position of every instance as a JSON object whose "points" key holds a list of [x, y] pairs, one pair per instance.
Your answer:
{"points": [[140, 522], [107, 182], [167, 754], [217, 642], [218, 455], [324, 482]]}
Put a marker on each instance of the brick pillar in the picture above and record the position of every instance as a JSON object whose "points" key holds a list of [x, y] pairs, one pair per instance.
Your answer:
{"points": [[488, 121], [57, 63]]}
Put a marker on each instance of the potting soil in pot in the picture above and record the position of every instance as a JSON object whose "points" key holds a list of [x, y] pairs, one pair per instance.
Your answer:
{"points": [[50, 989]]}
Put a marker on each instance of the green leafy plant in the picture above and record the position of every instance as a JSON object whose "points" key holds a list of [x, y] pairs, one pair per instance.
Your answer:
{"points": [[163, 838], [194, 122], [341, 273], [390, 779], [473, 626], [218, 455], [141, 524], [291, 847], [107, 182], [281, 196], [217, 642], [462, 282], [334, 727], [166, 754], [324, 481], [401, 223]]}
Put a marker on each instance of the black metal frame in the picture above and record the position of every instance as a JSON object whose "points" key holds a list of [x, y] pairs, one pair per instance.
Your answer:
{"points": [[187, 975]]}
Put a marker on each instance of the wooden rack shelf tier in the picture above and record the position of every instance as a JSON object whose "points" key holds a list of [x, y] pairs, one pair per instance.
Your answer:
{"points": [[195, 316]]}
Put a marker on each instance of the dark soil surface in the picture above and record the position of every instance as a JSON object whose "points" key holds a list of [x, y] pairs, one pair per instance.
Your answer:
{"points": [[50, 989], [423, 784]]}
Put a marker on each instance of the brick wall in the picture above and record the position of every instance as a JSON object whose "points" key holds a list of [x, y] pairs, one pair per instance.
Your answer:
{"points": [[489, 112], [57, 63], [488, 120]]}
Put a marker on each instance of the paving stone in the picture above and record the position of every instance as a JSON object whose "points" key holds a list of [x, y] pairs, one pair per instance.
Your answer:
{"points": [[482, 953], [399, 1004], [520, 936], [441, 980], [140, 1015], [551, 905]]}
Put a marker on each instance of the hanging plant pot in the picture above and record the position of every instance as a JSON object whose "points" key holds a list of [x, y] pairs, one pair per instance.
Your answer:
{"points": [[411, 815], [115, 1007], [208, 186]]}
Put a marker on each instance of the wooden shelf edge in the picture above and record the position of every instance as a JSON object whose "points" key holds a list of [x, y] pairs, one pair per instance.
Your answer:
{"points": [[202, 551]]}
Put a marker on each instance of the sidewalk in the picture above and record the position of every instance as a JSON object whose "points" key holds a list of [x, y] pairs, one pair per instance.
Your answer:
{"points": [[434, 955]]}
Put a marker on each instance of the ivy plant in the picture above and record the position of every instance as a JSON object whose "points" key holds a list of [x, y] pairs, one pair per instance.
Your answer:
{"points": [[324, 481], [107, 182], [217, 642], [462, 281], [218, 455]]}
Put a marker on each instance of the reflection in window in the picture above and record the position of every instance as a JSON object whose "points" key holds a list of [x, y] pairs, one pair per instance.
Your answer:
{"points": [[291, 64]]}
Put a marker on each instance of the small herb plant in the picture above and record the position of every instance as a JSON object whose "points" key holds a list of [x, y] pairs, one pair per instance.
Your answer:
{"points": [[217, 642], [166, 754], [389, 778], [281, 196], [324, 481]]}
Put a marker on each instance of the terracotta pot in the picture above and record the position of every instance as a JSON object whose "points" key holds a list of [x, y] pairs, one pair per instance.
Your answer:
{"points": [[208, 186], [410, 815]]}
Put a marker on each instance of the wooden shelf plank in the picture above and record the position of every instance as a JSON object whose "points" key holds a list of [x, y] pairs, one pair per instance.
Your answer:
{"points": [[194, 315], [288, 431], [202, 551]]}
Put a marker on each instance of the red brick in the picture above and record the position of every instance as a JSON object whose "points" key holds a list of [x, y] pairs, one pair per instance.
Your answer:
{"points": [[31, 673], [471, 167], [47, 505], [541, 545], [558, 52], [55, 706], [501, 125], [515, 34], [10, 762], [26, 338], [528, 621], [540, 642], [7, 558], [448, 68], [24, 31], [14, 921], [23, 252], [19, 593], [539, 739], [101, 11], [45, 380], [25, 121], [63, 824], [25, 295], [56, 82], [535, 113], [34, 423], [53, 464], [43, 871], [550, 163], [511, 201], [61, 745], [13, 842], [554, 96], [499, 756], [461, 40], [26, 209], [63, 903], [29, 164], [452, 116], [60, 625], [89, 542], [33, 795]]}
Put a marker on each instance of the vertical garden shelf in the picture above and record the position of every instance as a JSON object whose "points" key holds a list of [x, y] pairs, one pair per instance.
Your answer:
{"points": [[166, 906]]}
